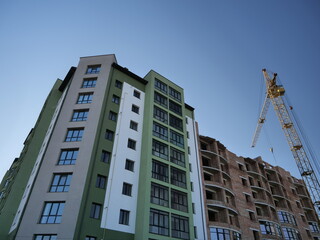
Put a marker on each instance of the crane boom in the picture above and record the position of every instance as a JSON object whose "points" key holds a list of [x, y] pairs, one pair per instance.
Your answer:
{"points": [[275, 95]]}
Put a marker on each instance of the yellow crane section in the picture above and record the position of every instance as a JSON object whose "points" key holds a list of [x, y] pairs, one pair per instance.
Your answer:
{"points": [[274, 94]]}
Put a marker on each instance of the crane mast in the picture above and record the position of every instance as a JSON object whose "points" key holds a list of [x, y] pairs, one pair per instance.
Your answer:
{"points": [[275, 96]]}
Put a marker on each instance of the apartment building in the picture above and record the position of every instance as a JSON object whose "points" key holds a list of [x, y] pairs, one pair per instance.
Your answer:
{"points": [[112, 156], [250, 199]]}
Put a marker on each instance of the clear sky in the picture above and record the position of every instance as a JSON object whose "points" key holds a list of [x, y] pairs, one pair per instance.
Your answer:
{"points": [[214, 49]]}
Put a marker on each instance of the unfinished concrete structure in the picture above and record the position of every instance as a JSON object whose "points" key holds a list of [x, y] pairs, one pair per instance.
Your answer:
{"points": [[250, 199]]}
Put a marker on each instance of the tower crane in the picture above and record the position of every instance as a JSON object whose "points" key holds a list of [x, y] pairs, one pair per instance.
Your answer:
{"points": [[275, 95]]}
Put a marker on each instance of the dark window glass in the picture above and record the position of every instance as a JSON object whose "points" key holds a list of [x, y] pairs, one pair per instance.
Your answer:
{"points": [[90, 238], [68, 157], [159, 195], [160, 86], [61, 182], [95, 210], [176, 122], [160, 131], [179, 227], [52, 212], [160, 149], [314, 227], [93, 69], [175, 94], [160, 114], [109, 135], [115, 99], [124, 217], [160, 171], [89, 83], [267, 228], [178, 177], [160, 99], [135, 109], [176, 108], [126, 189], [134, 125], [176, 139], [45, 237], [105, 156], [179, 200], [219, 233], [129, 165], [74, 135], [285, 217], [159, 222], [112, 116], [80, 115], [85, 98], [136, 94], [118, 84], [101, 182], [131, 144], [177, 157]]}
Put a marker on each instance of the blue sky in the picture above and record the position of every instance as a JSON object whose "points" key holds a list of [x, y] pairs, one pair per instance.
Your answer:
{"points": [[214, 49]]}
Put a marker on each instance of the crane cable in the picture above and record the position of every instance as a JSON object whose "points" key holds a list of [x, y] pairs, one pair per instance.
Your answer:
{"points": [[303, 136]]}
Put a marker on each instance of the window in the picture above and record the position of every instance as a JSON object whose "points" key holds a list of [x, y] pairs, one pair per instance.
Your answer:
{"points": [[177, 157], [135, 109], [160, 114], [285, 217], [248, 199], [101, 182], [52, 212], [126, 189], [314, 227], [74, 135], [176, 122], [160, 131], [176, 139], [132, 144], [175, 94], [129, 165], [95, 210], [109, 135], [252, 216], [105, 156], [124, 217], [291, 234], [80, 115], [160, 86], [89, 83], [112, 116], [159, 149], [136, 94], [159, 222], [179, 226], [160, 171], [178, 177], [68, 157], [159, 195], [179, 200], [118, 84], [160, 99], [219, 233], [174, 107], [93, 69], [90, 238], [134, 125], [61, 182], [244, 182], [45, 237], [115, 99], [267, 228], [85, 98]]}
